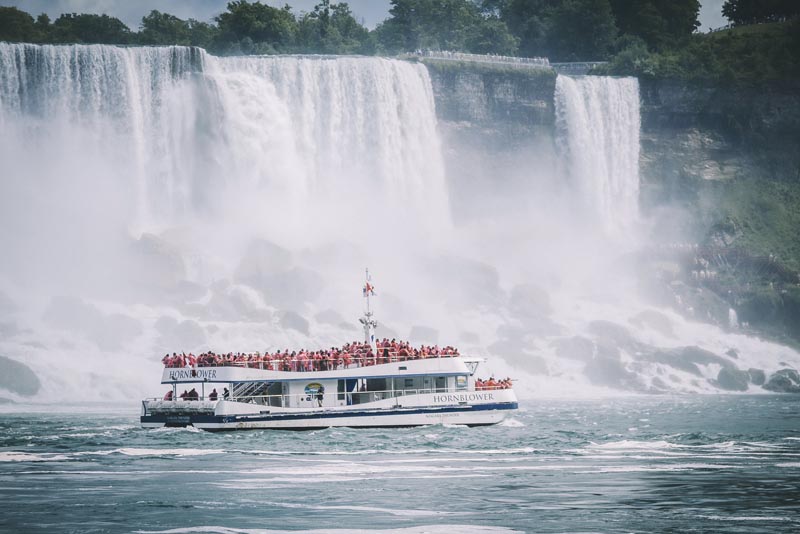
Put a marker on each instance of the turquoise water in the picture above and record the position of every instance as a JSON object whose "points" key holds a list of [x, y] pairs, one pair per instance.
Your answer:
{"points": [[705, 464]]}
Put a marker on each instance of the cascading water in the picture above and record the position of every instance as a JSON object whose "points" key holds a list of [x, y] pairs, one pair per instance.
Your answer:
{"points": [[598, 121], [101, 145], [192, 202]]}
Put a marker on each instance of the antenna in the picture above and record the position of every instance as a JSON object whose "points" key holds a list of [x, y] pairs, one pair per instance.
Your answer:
{"points": [[367, 321]]}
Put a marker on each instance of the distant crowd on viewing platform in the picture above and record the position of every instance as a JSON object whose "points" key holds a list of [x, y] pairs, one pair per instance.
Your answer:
{"points": [[355, 354], [481, 385]]}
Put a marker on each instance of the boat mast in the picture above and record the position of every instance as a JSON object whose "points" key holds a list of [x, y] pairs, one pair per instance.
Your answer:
{"points": [[367, 321]]}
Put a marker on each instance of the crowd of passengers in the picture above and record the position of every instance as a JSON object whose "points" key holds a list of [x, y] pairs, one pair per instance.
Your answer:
{"points": [[353, 354], [481, 385]]}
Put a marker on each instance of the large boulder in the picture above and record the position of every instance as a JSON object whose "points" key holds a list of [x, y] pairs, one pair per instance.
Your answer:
{"points": [[236, 302], [528, 301], [117, 330], [687, 359], [655, 321], [108, 332], [156, 264], [262, 259], [614, 334], [575, 348], [18, 377], [732, 380], [289, 289], [294, 321], [784, 381], [757, 376], [612, 373]]}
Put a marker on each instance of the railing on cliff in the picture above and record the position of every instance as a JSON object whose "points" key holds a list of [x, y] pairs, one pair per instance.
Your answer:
{"points": [[576, 67], [506, 61]]}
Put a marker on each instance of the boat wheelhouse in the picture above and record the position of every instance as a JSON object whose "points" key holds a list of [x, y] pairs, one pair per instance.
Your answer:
{"points": [[363, 386]]}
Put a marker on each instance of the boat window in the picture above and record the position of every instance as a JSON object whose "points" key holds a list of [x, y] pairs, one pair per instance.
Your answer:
{"points": [[441, 383], [461, 382]]}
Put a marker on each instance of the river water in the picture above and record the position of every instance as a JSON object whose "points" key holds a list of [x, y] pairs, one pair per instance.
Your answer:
{"points": [[637, 464]]}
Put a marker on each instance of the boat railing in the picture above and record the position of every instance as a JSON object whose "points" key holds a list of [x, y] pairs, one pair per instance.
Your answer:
{"points": [[316, 364], [349, 397]]}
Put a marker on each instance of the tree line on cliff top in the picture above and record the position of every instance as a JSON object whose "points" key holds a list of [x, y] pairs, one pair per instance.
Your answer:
{"points": [[639, 36]]}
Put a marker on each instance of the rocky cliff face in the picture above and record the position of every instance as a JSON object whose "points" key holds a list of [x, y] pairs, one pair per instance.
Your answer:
{"points": [[495, 120], [719, 167]]}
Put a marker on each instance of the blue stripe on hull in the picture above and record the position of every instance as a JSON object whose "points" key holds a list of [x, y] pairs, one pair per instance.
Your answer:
{"points": [[185, 420]]}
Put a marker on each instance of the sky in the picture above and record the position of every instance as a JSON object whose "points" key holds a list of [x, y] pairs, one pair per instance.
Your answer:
{"points": [[369, 12]]}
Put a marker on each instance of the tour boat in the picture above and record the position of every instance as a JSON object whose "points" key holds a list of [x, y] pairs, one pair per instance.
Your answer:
{"points": [[381, 389]]}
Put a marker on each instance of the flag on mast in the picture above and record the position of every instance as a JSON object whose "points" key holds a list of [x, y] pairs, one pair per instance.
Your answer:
{"points": [[368, 289]]}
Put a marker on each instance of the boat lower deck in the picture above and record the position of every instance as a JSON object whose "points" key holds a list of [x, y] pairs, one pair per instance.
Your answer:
{"points": [[468, 415]]}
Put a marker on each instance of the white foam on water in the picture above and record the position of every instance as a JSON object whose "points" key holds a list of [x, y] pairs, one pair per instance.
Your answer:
{"points": [[423, 529], [747, 518]]}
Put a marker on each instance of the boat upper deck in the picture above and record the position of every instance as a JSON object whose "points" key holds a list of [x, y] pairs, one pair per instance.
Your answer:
{"points": [[441, 366], [331, 362]]}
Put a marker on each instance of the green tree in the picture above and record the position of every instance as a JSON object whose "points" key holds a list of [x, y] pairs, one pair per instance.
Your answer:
{"points": [[581, 30], [90, 28], [255, 28], [528, 20], [741, 12], [660, 23], [164, 29], [332, 29], [429, 24], [491, 36], [18, 26]]}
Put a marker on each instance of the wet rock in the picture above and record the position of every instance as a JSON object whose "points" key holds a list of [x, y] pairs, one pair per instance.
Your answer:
{"points": [[117, 330], [294, 321], [262, 259], [156, 264], [514, 351], [612, 373], [72, 313], [655, 321], [575, 348], [423, 334], [528, 301], [757, 376], [732, 380], [613, 334], [784, 381], [471, 283], [18, 377], [236, 303], [686, 359], [108, 332], [732, 353], [291, 288], [659, 386]]}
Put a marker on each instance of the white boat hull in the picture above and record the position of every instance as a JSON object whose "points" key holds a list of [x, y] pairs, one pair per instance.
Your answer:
{"points": [[490, 408]]}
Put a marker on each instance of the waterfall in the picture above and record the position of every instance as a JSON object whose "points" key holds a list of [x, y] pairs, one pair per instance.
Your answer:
{"points": [[733, 319], [179, 134], [598, 122]]}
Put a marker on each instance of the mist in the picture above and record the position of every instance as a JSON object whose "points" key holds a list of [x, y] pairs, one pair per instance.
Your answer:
{"points": [[161, 200]]}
